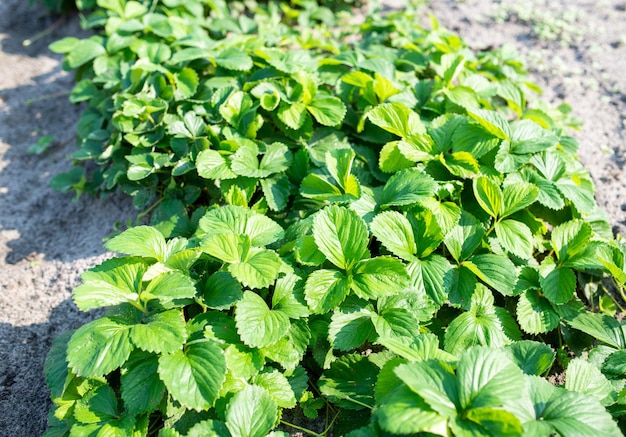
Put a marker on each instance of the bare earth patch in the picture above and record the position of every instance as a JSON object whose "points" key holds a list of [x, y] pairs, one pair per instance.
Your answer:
{"points": [[47, 241]]}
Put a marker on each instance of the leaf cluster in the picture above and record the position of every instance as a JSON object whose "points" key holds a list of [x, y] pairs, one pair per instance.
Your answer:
{"points": [[385, 230]]}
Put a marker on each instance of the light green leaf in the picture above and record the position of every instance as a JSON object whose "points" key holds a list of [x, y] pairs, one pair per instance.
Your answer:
{"points": [[408, 187], [488, 195], [349, 330], [391, 158], [143, 241], [186, 82], [464, 238], [163, 332], [276, 190], [259, 269], [227, 246], [534, 358], [328, 111], [497, 271], [570, 238], [142, 390], [397, 119], [277, 385], [258, 325], [234, 59], [485, 421], [515, 237], [252, 412], [168, 287], [84, 51], [567, 413], [288, 296], [431, 275], [559, 285], [395, 323], [341, 236], [585, 378], [211, 164], [325, 290], [350, 377], [535, 314], [99, 347], [461, 164], [394, 231], [194, 376], [294, 115], [245, 162], [241, 221], [99, 405], [492, 122], [404, 412], [601, 326], [378, 277], [518, 196], [115, 281]]}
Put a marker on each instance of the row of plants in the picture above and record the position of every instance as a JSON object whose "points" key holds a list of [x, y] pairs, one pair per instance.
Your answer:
{"points": [[369, 224]]}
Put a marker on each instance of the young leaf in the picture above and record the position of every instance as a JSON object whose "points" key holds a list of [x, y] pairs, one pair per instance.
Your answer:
{"points": [[113, 282], [378, 277], [341, 236], [277, 385], [163, 332], [143, 241], [408, 187], [515, 237], [464, 238], [257, 324], [328, 111], [325, 290], [194, 376], [99, 347], [394, 231], [258, 269], [397, 119], [488, 195], [168, 287], [251, 412], [535, 313], [518, 196]]}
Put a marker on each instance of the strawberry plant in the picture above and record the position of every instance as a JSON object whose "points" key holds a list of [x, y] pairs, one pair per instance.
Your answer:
{"points": [[385, 231]]}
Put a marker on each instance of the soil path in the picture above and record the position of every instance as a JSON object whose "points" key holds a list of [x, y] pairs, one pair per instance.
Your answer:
{"points": [[47, 241]]}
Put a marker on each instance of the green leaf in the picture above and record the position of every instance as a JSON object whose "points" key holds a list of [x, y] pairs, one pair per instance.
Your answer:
{"points": [[515, 237], [408, 187], [241, 221], [251, 412], [431, 275], [394, 231], [328, 111], [487, 421], [341, 236], [532, 357], [559, 285], [378, 277], [518, 196], [113, 282], [397, 119], [221, 291], [535, 313], [84, 51], [464, 238], [276, 190], [492, 122], [194, 376], [293, 115], [566, 413], [186, 82], [258, 269], [234, 59], [163, 332], [168, 287], [350, 378], [142, 390], [277, 385], [488, 195], [391, 158], [288, 296], [99, 347], [325, 290], [487, 378], [570, 238], [55, 366], [404, 412], [395, 323], [257, 324], [461, 164], [497, 271], [227, 247], [349, 330], [245, 161], [614, 365], [603, 327], [99, 405], [585, 378], [211, 164]]}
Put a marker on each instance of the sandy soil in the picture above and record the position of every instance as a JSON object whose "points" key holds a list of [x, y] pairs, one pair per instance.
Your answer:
{"points": [[47, 240]]}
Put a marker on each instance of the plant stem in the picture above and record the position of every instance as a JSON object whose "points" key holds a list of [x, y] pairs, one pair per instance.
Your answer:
{"points": [[44, 32], [47, 97], [147, 211], [299, 428]]}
